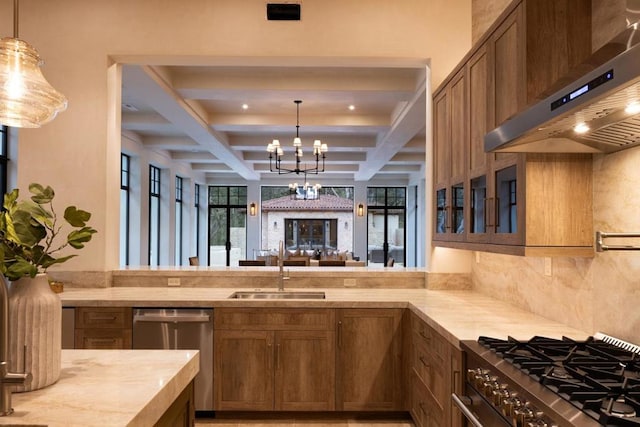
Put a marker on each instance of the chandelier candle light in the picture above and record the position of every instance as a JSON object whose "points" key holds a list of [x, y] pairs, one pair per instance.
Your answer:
{"points": [[305, 191], [275, 150]]}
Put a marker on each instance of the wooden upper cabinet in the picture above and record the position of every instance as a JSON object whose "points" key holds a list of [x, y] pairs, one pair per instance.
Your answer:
{"points": [[511, 203], [477, 69], [441, 146], [369, 360], [458, 127], [508, 77]]}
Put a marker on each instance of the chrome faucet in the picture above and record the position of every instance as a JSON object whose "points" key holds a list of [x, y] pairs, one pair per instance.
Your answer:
{"points": [[283, 277], [7, 379]]}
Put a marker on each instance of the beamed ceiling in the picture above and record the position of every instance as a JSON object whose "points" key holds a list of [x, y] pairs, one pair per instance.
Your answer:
{"points": [[194, 115]]}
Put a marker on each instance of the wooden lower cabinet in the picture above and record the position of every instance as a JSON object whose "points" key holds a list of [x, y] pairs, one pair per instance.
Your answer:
{"points": [[436, 366], [285, 361], [103, 328], [181, 413], [243, 370], [369, 360]]}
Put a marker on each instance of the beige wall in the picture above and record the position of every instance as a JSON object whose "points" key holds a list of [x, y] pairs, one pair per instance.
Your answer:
{"points": [[77, 153]]}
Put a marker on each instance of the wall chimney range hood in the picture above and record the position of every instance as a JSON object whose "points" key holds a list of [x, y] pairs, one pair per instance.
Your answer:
{"points": [[597, 113]]}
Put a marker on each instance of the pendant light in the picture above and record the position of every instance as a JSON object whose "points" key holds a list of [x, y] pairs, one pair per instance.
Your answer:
{"points": [[26, 98]]}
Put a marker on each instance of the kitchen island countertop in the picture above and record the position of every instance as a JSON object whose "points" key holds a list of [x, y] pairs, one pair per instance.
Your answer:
{"points": [[457, 315], [107, 388]]}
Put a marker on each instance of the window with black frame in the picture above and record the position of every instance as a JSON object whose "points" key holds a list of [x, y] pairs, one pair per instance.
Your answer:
{"points": [[386, 230], [196, 207], [178, 222], [154, 215], [4, 158], [125, 192]]}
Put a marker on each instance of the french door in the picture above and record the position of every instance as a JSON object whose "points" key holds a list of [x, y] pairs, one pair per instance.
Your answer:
{"points": [[227, 225]]}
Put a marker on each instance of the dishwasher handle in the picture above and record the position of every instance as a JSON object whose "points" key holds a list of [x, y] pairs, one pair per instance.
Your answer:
{"points": [[163, 318], [460, 403]]}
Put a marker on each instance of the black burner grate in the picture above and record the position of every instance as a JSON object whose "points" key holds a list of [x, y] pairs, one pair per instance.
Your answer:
{"points": [[599, 378]]}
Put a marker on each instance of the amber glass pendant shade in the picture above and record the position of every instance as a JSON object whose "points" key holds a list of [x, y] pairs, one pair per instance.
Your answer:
{"points": [[26, 98]]}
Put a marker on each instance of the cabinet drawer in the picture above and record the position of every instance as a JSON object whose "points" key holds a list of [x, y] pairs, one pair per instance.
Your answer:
{"points": [[274, 319], [103, 339], [104, 317], [435, 344], [433, 373], [425, 412]]}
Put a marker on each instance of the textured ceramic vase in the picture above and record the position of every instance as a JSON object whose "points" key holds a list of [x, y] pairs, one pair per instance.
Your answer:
{"points": [[35, 322]]}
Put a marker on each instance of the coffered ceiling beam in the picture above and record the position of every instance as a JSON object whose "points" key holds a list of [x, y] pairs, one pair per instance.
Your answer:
{"points": [[145, 82]]}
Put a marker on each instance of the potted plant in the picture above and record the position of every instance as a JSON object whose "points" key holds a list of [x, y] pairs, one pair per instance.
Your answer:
{"points": [[32, 236]]}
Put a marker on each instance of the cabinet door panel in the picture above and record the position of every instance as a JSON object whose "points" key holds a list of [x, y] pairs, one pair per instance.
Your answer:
{"points": [[305, 371], [243, 370], [441, 146], [478, 107], [368, 362], [458, 126]]}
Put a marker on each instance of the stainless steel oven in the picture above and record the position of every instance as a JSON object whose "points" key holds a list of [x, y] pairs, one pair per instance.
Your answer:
{"points": [[544, 382]]}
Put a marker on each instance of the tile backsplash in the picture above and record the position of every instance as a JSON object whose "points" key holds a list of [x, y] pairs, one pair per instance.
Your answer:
{"points": [[591, 294]]}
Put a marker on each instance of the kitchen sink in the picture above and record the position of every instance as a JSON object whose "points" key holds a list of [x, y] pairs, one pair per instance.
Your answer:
{"points": [[277, 295]]}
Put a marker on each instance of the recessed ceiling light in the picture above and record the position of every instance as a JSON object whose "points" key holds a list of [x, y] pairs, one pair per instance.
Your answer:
{"points": [[352, 107], [581, 128], [633, 108], [245, 106]]}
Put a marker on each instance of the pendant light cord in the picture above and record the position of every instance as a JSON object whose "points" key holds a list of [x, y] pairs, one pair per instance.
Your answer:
{"points": [[298, 102], [15, 19]]}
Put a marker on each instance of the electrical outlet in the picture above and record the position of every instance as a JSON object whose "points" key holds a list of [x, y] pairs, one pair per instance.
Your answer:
{"points": [[173, 281], [547, 266], [349, 283], [477, 257]]}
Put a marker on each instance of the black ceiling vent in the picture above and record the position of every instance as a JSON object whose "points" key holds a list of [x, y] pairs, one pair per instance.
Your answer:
{"points": [[283, 11]]}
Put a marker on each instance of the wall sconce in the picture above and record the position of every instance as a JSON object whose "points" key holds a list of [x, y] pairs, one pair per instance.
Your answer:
{"points": [[253, 209], [360, 210]]}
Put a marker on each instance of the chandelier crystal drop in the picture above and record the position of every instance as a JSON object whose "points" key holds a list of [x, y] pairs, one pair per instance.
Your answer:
{"points": [[276, 152], [26, 98]]}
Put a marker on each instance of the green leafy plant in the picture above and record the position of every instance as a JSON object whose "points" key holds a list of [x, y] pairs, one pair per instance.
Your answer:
{"points": [[30, 233]]}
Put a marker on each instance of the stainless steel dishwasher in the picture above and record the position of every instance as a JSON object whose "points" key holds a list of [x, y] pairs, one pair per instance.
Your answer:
{"points": [[182, 329]]}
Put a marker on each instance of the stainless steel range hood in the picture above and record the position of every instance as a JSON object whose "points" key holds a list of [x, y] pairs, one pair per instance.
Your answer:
{"points": [[599, 100]]}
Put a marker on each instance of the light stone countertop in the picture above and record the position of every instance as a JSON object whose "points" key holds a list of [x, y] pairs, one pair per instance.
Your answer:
{"points": [[108, 388], [458, 315]]}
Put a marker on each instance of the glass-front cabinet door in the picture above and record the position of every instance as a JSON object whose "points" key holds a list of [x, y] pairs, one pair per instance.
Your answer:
{"points": [[450, 211], [477, 228], [506, 222]]}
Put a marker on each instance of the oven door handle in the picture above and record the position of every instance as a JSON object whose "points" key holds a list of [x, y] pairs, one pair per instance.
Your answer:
{"points": [[460, 403]]}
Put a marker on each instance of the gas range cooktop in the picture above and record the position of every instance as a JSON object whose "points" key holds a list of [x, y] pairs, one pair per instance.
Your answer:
{"points": [[597, 377]]}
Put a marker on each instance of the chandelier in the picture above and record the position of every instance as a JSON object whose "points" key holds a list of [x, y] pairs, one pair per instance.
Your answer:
{"points": [[26, 98], [276, 152], [305, 191]]}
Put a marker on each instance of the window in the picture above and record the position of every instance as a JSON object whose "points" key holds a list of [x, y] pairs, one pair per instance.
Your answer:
{"points": [[196, 205], [311, 234], [125, 194], [386, 231], [4, 158], [227, 225], [154, 215], [178, 222]]}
